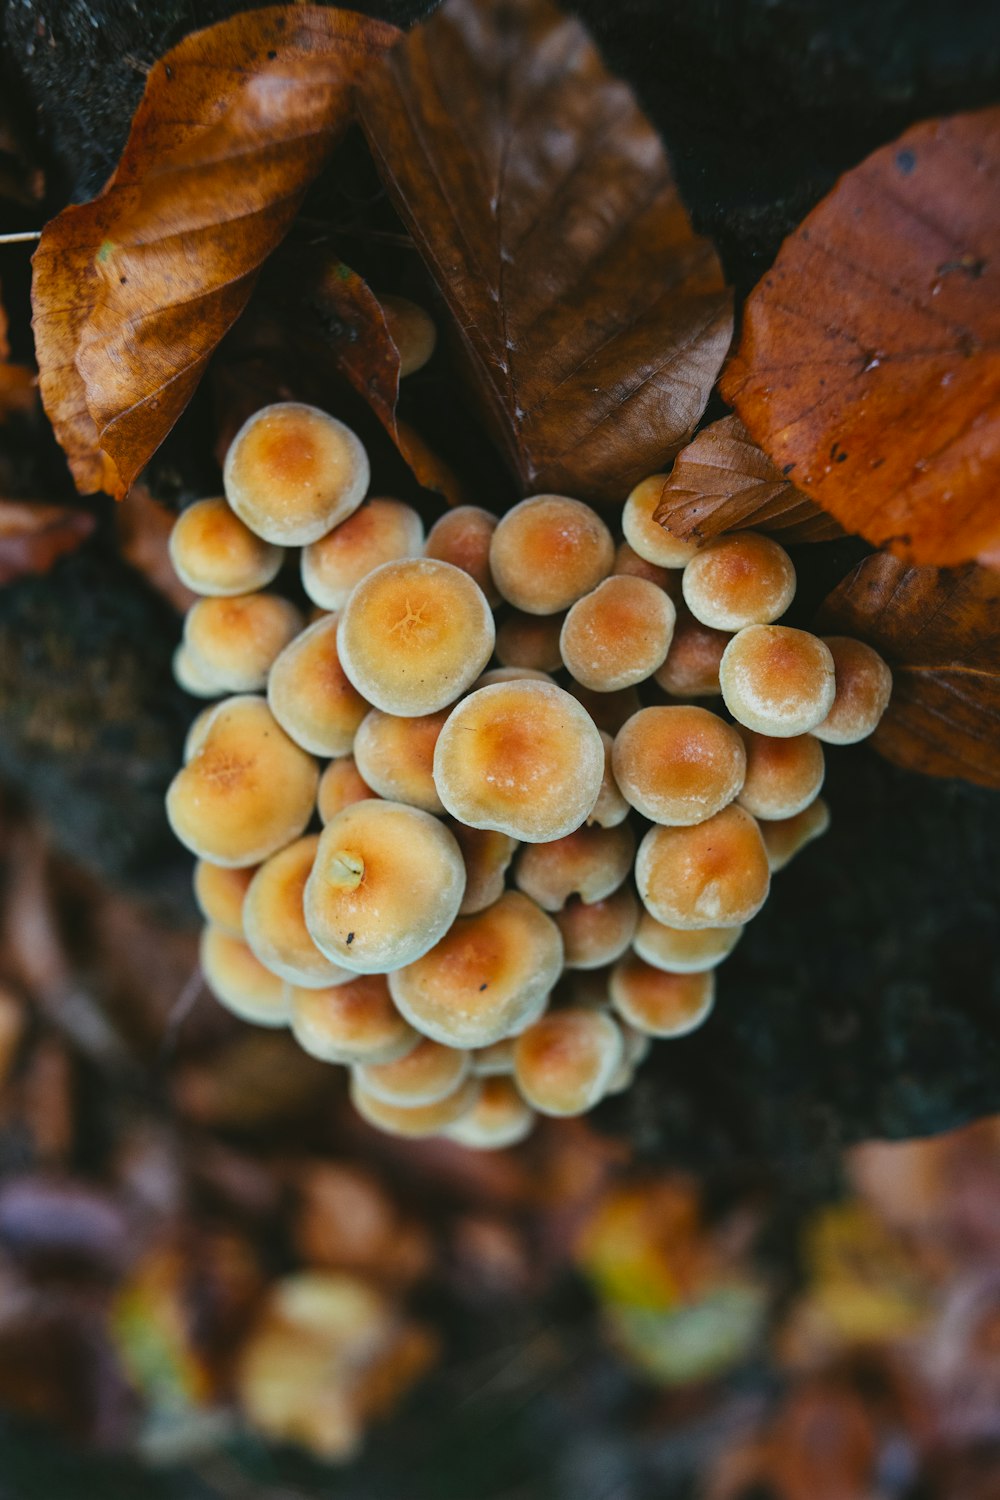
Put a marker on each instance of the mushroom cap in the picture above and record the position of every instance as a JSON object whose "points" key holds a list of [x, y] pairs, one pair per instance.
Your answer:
{"points": [[549, 551], [499, 1118], [647, 537], [484, 976], [777, 680], [714, 874], [511, 674], [415, 634], [783, 775], [658, 1003], [618, 634], [530, 641], [378, 532], [247, 791], [636, 1046], [608, 710], [214, 552], [386, 885], [274, 920], [598, 932], [496, 1060], [784, 837], [691, 669], [396, 756], [487, 855], [521, 757], [310, 694], [423, 1076], [411, 329], [240, 982], [611, 808], [683, 950], [340, 785], [565, 1062], [292, 472], [740, 579], [678, 764], [219, 893], [197, 730], [192, 676], [234, 641], [863, 690], [629, 564], [462, 537], [417, 1121], [351, 1023], [590, 862]]}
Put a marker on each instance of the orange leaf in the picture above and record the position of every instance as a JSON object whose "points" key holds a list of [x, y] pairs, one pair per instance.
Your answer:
{"points": [[940, 632], [869, 367], [33, 537], [133, 291], [723, 482], [591, 318]]}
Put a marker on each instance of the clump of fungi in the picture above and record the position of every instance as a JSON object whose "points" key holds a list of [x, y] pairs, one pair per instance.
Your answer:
{"points": [[562, 767]]}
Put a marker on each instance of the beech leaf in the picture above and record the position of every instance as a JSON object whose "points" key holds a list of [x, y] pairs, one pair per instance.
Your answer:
{"points": [[592, 320], [869, 365], [34, 537], [939, 629], [723, 482], [133, 291]]}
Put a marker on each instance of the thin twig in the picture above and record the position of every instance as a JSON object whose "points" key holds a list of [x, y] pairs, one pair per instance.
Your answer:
{"points": [[23, 237]]}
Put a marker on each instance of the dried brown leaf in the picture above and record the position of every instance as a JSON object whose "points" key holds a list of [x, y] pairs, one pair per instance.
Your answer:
{"points": [[34, 537]]}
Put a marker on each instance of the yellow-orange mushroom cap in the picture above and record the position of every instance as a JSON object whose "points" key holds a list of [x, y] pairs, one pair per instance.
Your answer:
{"points": [[386, 885], [484, 976], [197, 730], [683, 950], [462, 537], [521, 757], [214, 552], [511, 674], [691, 669], [396, 756], [274, 921], [411, 329], [378, 532], [548, 552], [608, 710], [740, 579], [191, 674], [310, 694], [714, 874], [219, 893], [784, 837], [240, 982], [611, 808], [487, 855], [777, 680], [629, 564], [678, 764], [351, 1023], [530, 641], [618, 634], [499, 1118], [415, 1121], [565, 1062], [414, 635], [863, 690], [590, 862], [340, 785], [292, 472], [598, 932], [247, 791], [783, 775], [646, 536], [234, 641], [429, 1073], [658, 1003]]}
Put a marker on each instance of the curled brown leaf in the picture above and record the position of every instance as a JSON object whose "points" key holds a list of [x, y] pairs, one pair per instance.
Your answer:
{"points": [[34, 537]]}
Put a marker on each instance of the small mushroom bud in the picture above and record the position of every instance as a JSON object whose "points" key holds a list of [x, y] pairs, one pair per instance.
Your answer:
{"points": [[784, 837], [274, 920], [414, 635], [610, 809], [340, 785], [565, 1062], [864, 687], [658, 1003], [247, 791], [240, 982], [598, 932], [498, 1118], [485, 975], [310, 694], [549, 551], [609, 711], [714, 874], [396, 756], [192, 676], [462, 537], [234, 642], [351, 1023], [646, 536], [691, 669], [636, 1047], [219, 893], [415, 1121], [213, 552], [683, 950], [386, 885], [628, 564], [678, 764], [292, 472], [740, 579], [777, 681], [496, 1060], [429, 1073], [521, 757], [590, 862], [530, 641], [411, 329], [487, 855], [380, 531], [618, 634], [783, 775]]}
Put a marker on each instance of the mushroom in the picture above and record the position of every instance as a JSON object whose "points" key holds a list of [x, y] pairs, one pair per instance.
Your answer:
{"points": [[340, 785], [784, 837], [608, 710], [610, 809], [191, 675], [863, 690], [423, 1076], [678, 764], [691, 669], [351, 1023], [511, 674], [233, 642], [415, 1121], [635, 1050], [274, 920], [646, 536], [658, 1003], [219, 893], [487, 855], [310, 694], [380, 531], [213, 552], [740, 579], [564, 1063], [618, 634], [683, 950], [292, 472], [777, 681], [783, 775], [530, 641], [714, 874], [411, 329], [596, 933], [590, 862], [628, 564], [396, 756], [496, 1060], [462, 537], [499, 1118], [521, 757], [240, 982], [414, 635], [197, 730], [548, 552]]}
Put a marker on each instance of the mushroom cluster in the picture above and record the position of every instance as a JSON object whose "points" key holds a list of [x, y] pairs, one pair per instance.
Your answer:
{"points": [[508, 878]]}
